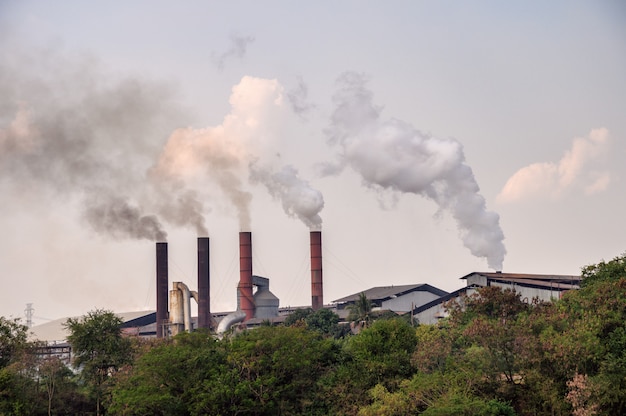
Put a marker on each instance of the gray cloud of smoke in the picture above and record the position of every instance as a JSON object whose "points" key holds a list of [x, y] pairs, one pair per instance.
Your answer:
{"points": [[237, 49], [393, 155], [68, 128]]}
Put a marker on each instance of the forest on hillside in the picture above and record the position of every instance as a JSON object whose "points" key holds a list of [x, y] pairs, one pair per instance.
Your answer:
{"points": [[494, 355]]}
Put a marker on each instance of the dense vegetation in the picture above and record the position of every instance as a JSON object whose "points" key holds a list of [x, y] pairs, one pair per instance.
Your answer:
{"points": [[496, 355]]}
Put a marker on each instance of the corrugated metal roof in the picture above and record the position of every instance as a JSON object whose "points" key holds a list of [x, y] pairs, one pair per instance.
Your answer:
{"points": [[387, 292]]}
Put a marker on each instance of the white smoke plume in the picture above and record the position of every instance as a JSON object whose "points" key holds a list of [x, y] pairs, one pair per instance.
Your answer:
{"points": [[393, 155], [298, 198], [579, 168], [222, 153]]}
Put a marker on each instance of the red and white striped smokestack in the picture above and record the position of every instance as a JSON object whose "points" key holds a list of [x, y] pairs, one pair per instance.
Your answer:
{"points": [[161, 288], [204, 284], [317, 290], [245, 301]]}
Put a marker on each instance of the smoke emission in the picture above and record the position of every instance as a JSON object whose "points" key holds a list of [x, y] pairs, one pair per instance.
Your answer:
{"points": [[298, 99], [115, 216], [393, 155], [69, 129], [237, 49], [298, 198], [221, 155]]}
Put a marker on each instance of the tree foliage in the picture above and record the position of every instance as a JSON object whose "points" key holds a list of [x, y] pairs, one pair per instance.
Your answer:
{"points": [[13, 340], [98, 348], [361, 310], [494, 355]]}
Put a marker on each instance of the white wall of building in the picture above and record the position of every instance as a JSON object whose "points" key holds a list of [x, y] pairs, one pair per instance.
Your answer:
{"points": [[409, 301]]}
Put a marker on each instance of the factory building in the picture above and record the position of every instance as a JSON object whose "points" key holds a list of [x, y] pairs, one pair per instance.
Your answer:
{"points": [[256, 304], [543, 287]]}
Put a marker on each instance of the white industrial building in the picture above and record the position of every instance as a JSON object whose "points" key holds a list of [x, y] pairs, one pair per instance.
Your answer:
{"points": [[542, 287]]}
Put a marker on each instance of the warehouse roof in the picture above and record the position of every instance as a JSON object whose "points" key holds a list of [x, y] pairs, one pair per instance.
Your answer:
{"points": [[382, 293]]}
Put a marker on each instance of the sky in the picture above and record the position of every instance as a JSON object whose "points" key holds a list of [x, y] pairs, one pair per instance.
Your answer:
{"points": [[426, 140]]}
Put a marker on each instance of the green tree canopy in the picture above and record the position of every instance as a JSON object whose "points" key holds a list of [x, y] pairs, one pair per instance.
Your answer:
{"points": [[13, 339], [361, 310], [98, 347]]}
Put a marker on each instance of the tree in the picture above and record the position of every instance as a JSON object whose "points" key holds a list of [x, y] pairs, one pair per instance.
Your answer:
{"points": [[298, 317], [277, 371], [171, 378], [383, 351], [613, 270], [61, 392], [361, 310], [17, 389], [591, 336], [13, 340], [98, 348]]}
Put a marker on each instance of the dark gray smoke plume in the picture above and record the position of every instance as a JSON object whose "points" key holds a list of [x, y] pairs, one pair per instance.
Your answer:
{"points": [[298, 99], [68, 128], [237, 49], [298, 198], [115, 216], [393, 155]]}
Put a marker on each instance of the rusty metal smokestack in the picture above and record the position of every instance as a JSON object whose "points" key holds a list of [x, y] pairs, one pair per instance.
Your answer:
{"points": [[161, 288], [245, 300], [204, 284], [317, 290]]}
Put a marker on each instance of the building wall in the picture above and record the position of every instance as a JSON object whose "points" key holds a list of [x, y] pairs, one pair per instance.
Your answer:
{"points": [[477, 280], [430, 316], [409, 301], [529, 293], [433, 314]]}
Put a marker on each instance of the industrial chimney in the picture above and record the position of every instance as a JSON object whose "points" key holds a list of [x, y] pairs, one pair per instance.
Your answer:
{"points": [[161, 288], [245, 301], [204, 284], [317, 291]]}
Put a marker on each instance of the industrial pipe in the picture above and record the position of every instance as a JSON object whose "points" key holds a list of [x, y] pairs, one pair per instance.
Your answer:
{"points": [[186, 304], [230, 320]]}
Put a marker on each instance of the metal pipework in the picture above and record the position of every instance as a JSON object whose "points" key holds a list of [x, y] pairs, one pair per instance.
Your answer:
{"points": [[245, 300], [230, 320], [161, 288], [317, 290], [177, 319], [180, 308]]}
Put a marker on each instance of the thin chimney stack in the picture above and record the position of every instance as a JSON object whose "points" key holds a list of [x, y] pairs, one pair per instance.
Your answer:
{"points": [[161, 288], [245, 300], [204, 284], [317, 290]]}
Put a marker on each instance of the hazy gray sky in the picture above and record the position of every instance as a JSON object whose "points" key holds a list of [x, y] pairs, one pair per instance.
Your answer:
{"points": [[426, 140]]}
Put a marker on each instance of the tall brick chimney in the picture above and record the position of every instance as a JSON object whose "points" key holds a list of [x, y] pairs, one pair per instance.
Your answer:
{"points": [[317, 290], [245, 300]]}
